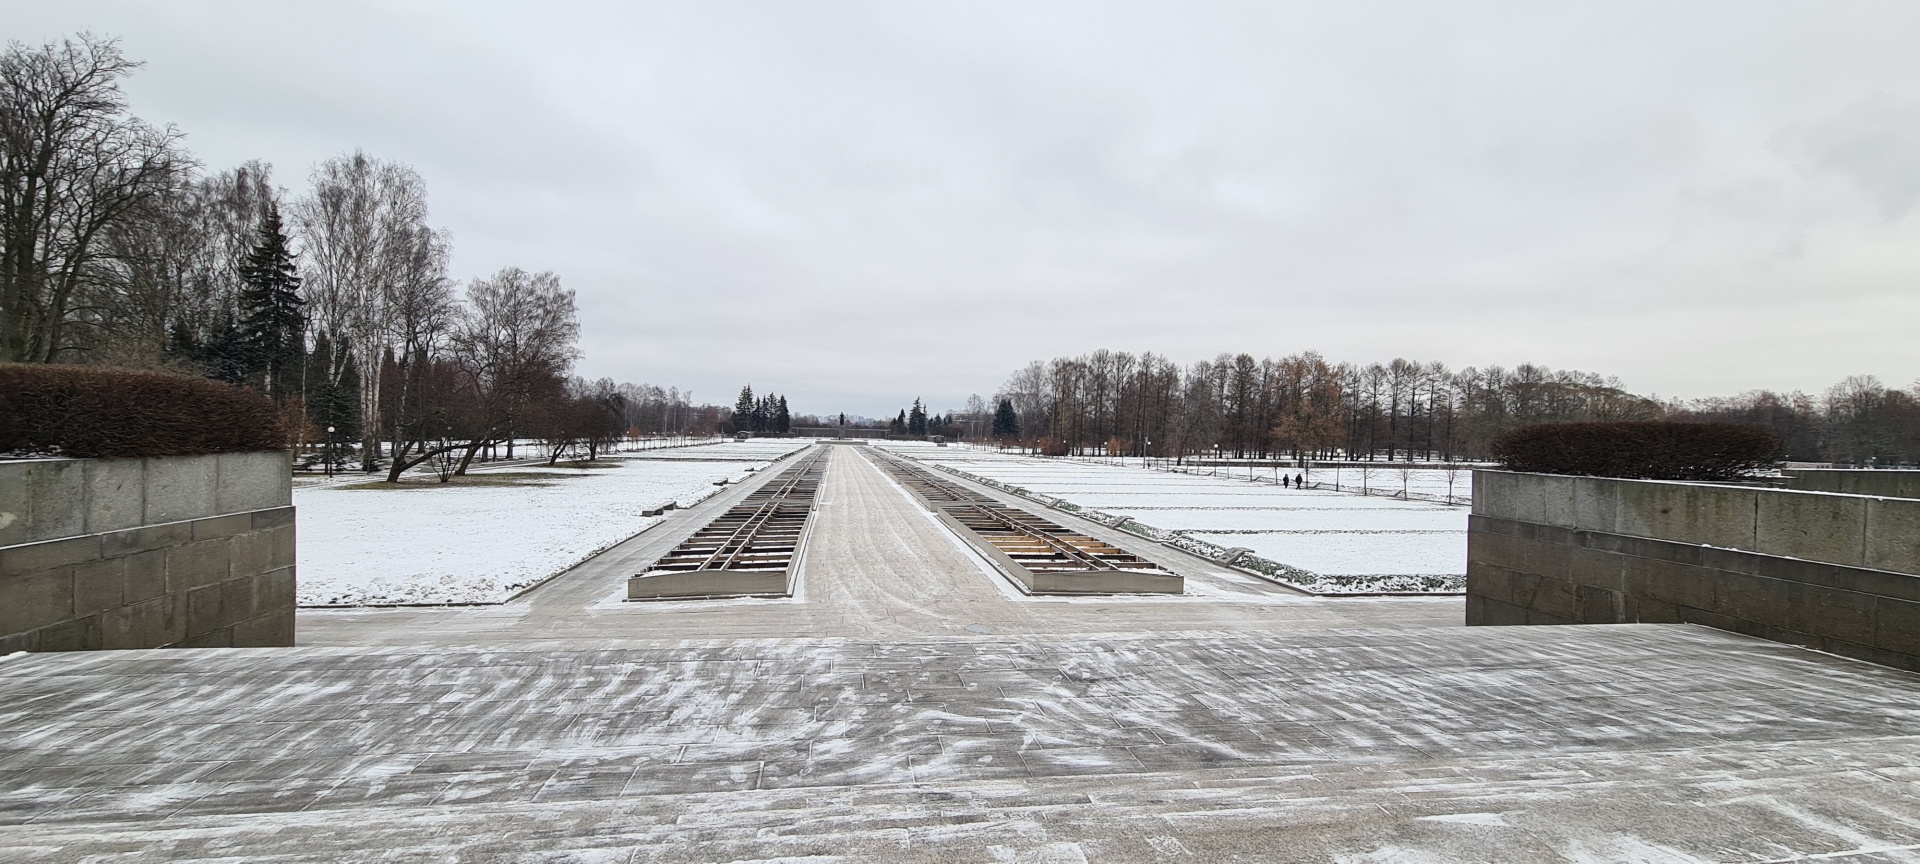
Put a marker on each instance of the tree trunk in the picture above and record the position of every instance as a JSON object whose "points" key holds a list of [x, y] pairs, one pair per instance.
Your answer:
{"points": [[466, 458]]}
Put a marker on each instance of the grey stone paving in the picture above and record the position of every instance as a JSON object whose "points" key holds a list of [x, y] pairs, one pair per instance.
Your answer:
{"points": [[868, 722], [1552, 743]]}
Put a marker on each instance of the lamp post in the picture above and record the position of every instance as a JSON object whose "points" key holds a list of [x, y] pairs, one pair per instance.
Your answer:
{"points": [[329, 452]]}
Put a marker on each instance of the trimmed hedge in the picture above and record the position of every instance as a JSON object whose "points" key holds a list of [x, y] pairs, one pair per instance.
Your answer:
{"points": [[1640, 450], [96, 411]]}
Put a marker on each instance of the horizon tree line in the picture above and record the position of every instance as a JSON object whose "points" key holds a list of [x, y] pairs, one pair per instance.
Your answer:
{"points": [[1299, 406], [1302, 407]]}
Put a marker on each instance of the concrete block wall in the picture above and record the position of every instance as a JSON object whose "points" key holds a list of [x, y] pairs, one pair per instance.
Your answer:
{"points": [[1890, 483], [1836, 572], [179, 551]]}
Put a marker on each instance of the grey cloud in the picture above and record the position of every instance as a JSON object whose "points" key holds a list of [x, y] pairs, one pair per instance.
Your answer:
{"points": [[1876, 144], [855, 204]]}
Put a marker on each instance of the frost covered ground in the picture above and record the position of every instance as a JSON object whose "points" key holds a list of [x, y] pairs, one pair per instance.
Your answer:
{"points": [[760, 450], [501, 531], [1325, 541], [1384, 479]]}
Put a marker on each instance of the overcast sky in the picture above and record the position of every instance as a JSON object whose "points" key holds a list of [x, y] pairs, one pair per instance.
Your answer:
{"points": [[857, 204]]}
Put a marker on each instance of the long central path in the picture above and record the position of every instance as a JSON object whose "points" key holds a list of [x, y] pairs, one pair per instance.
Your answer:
{"points": [[878, 566]]}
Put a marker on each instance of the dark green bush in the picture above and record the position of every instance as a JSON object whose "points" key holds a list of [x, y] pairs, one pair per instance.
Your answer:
{"points": [[1646, 450], [96, 411]]}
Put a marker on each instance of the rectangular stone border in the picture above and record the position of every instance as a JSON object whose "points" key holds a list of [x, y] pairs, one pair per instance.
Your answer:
{"points": [[1542, 570], [219, 581]]}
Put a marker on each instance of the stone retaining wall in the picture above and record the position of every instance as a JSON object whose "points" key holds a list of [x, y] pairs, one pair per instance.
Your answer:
{"points": [[180, 551], [1887, 483], [1834, 572]]}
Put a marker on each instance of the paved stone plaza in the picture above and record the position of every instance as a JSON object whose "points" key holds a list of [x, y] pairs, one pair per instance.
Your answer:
{"points": [[907, 705]]}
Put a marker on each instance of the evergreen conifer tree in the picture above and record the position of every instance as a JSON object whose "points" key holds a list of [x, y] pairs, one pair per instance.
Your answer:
{"points": [[333, 403], [917, 420], [743, 410], [782, 421], [1006, 424], [182, 342], [899, 424], [272, 326], [226, 355]]}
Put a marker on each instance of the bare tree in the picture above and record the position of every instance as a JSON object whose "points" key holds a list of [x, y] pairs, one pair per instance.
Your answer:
{"points": [[169, 273], [517, 339], [361, 226], [72, 163], [421, 311]]}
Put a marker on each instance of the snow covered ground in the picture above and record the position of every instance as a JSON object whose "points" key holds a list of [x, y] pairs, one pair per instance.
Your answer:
{"points": [[484, 540], [1431, 483], [1385, 479], [758, 449], [1323, 540]]}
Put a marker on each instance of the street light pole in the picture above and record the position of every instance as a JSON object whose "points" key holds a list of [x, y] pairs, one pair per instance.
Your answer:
{"points": [[329, 452]]}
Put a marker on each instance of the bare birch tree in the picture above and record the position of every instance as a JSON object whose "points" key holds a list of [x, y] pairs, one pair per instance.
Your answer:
{"points": [[360, 227]]}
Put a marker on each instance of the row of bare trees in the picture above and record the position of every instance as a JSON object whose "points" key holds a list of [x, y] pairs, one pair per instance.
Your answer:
{"points": [[1298, 406], [1859, 421]]}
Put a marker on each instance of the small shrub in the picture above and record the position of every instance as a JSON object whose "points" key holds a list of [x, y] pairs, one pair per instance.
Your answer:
{"points": [[96, 411], [1643, 450]]}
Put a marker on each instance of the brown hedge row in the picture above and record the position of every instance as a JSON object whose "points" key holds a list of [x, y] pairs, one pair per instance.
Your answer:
{"points": [[95, 411], [1645, 450]]}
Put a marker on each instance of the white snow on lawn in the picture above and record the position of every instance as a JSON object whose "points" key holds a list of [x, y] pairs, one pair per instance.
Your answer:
{"points": [[1344, 535], [1330, 518], [481, 544], [754, 449], [1352, 554]]}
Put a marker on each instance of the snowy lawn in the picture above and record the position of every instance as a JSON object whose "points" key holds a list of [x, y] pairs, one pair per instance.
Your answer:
{"points": [[1318, 539], [758, 449], [1431, 483], [483, 539]]}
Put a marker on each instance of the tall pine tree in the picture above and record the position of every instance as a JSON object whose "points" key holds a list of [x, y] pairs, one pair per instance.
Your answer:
{"points": [[273, 324], [917, 419], [743, 410], [782, 421], [1006, 424]]}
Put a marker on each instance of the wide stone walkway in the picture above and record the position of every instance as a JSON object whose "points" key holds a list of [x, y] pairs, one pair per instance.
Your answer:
{"points": [[906, 708], [878, 566]]}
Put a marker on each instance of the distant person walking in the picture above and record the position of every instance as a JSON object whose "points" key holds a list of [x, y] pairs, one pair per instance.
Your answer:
{"points": [[1299, 481], [1284, 480]]}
